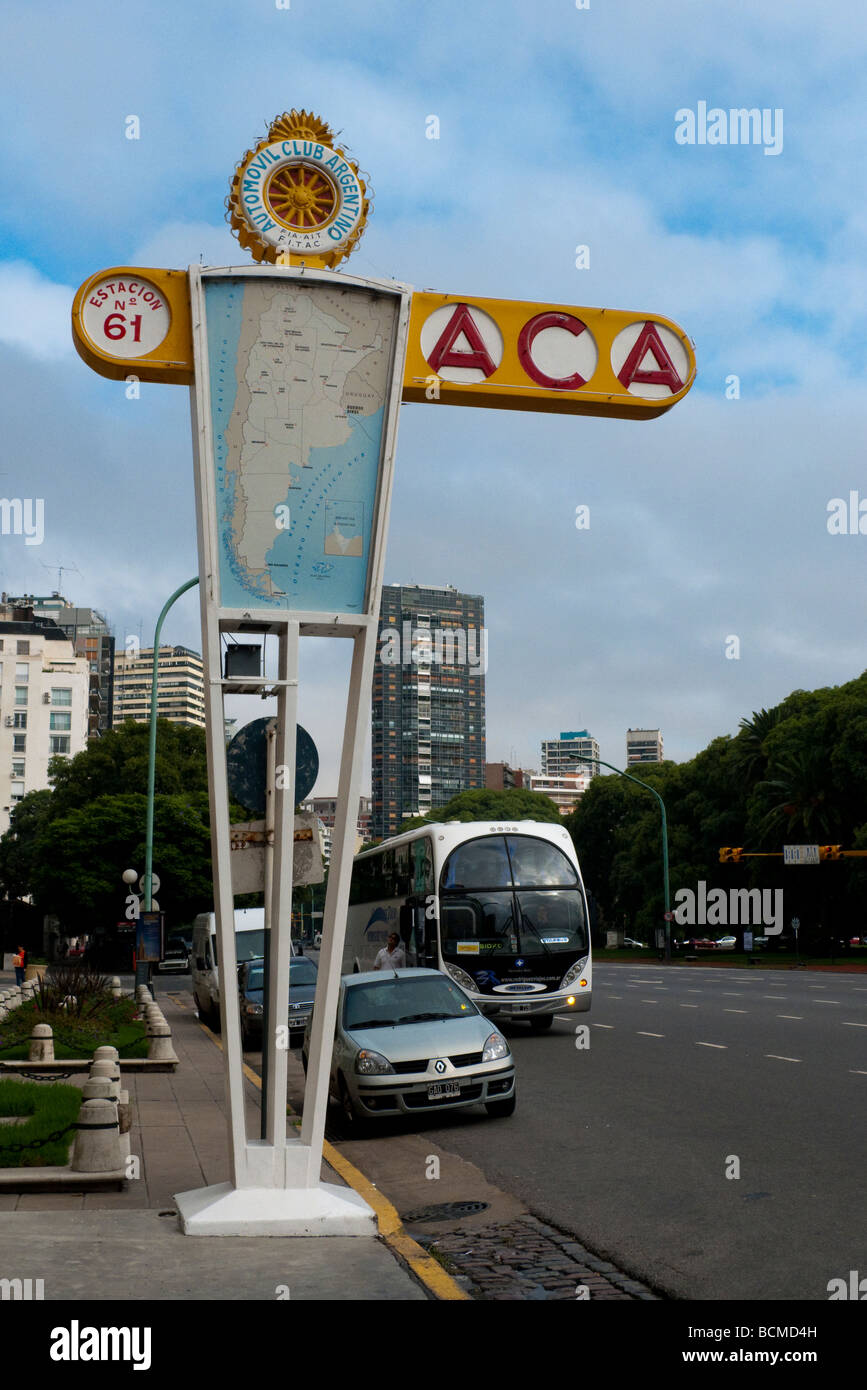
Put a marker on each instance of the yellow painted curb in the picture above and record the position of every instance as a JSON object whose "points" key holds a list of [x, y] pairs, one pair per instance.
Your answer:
{"points": [[423, 1265]]}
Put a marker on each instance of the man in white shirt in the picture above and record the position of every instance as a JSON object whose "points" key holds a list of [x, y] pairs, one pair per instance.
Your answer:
{"points": [[392, 956]]}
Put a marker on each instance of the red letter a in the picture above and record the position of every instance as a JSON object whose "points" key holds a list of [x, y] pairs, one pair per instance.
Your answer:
{"points": [[666, 375], [444, 354]]}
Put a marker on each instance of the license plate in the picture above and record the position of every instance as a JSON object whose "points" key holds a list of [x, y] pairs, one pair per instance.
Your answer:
{"points": [[438, 1090], [520, 1008]]}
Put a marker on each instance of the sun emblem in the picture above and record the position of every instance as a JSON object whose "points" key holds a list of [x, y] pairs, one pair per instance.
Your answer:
{"points": [[298, 196]]}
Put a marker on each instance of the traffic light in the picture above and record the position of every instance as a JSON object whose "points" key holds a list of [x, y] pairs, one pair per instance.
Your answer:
{"points": [[730, 856], [830, 852]]}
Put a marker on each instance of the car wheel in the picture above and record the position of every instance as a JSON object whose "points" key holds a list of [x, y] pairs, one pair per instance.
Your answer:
{"points": [[500, 1109], [540, 1024], [353, 1123]]}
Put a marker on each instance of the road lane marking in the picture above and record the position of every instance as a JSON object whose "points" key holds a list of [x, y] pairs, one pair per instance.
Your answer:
{"points": [[649, 1035], [817, 986], [854, 1025], [650, 1001], [773, 996], [735, 1011], [695, 991], [689, 1006], [601, 1025], [799, 1017], [827, 1001], [852, 1072], [722, 1046], [777, 1058], [730, 994]]}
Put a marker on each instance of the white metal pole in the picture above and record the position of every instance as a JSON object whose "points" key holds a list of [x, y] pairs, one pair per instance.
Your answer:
{"points": [[337, 898]]}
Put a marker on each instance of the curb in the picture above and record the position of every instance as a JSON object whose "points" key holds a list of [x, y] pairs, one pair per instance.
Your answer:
{"points": [[423, 1266]]}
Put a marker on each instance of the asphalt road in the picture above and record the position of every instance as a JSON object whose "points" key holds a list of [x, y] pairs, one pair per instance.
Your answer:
{"points": [[627, 1143]]}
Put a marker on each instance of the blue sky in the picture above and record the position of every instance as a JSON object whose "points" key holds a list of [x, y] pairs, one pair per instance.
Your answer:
{"points": [[556, 129]]}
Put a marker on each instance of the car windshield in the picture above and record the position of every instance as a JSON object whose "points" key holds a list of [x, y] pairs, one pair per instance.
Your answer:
{"points": [[301, 972], [402, 999]]}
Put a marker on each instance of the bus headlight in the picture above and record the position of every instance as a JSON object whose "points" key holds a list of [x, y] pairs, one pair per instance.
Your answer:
{"points": [[495, 1048], [369, 1063], [573, 972], [461, 978]]}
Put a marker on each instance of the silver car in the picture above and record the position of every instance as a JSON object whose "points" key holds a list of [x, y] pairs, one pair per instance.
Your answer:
{"points": [[410, 1042]]}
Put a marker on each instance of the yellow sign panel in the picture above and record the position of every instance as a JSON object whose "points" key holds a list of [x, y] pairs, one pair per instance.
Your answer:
{"points": [[518, 356], [499, 353], [129, 321]]}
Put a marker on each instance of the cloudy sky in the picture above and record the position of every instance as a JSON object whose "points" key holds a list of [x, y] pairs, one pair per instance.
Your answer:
{"points": [[557, 128]]}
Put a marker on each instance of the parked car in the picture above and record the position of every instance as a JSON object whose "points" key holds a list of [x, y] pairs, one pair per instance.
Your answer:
{"points": [[726, 943], [634, 945], [302, 990], [410, 1042], [176, 958], [699, 943]]}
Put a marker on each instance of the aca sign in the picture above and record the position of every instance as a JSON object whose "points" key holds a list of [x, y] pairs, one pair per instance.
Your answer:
{"points": [[509, 354]]}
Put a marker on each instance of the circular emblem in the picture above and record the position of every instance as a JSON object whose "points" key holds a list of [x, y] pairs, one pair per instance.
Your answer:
{"points": [[519, 962], [439, 1066], [125, 315], [298, 195]]}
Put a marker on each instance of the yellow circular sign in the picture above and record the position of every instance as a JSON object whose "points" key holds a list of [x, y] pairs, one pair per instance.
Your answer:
{"points": [[297, 196]]}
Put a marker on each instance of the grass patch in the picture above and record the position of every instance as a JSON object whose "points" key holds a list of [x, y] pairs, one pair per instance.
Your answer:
{"points": [[75, 1037], [47, 1108]]}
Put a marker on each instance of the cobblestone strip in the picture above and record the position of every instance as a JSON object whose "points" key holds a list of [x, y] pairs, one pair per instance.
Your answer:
{"points": [[527, 1259]]}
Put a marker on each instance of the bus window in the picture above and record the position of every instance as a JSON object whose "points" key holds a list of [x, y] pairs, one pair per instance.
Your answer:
{"points": [[481, 863], [538, 864], [422, 876]]}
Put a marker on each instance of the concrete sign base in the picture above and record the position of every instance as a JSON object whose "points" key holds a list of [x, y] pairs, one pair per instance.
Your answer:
{"points": [[224, 1210]]}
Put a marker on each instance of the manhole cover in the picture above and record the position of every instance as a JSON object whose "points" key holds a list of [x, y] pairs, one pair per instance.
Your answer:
{"points": [[442, 1211]]}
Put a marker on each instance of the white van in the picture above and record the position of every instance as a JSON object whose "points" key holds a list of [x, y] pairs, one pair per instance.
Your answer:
{"points": [[249, 945]]}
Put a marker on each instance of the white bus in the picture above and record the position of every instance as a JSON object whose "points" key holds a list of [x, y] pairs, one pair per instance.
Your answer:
{"points": [[499, 908], [249, 945]]}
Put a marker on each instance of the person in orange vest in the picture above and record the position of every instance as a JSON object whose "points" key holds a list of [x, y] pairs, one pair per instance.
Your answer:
{"points": [[20, 961]]}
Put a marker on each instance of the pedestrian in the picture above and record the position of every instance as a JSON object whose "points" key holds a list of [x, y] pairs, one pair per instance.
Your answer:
{"points": [[392, 956], [20, 962]]}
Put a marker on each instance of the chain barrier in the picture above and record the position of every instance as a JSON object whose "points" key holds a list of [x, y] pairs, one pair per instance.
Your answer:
{"points": [[50, 1139]]}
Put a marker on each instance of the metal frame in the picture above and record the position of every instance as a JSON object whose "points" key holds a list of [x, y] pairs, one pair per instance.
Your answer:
{"points": [[276, 1161]]}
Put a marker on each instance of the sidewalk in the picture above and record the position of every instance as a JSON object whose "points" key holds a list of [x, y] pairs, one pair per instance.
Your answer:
{"points": [[127, 1245]]}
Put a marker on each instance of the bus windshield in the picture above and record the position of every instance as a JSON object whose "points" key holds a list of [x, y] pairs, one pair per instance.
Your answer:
{"points": [[509, 894]]}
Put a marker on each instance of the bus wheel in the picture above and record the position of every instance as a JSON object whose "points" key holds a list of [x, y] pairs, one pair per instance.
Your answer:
{"points": [[500, 1109], [541, 1023]]}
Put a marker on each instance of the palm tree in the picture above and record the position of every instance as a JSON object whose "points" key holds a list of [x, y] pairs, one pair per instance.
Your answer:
{"points": [[749, 744], [801, 801]]}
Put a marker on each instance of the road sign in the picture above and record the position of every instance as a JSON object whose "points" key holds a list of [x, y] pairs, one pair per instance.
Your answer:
{"points": [[801, 854], [246, 765], [155, 883], [669, 916]]}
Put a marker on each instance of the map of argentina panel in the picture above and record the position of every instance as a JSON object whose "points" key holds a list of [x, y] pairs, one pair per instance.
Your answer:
{"points": [[299, 376]]}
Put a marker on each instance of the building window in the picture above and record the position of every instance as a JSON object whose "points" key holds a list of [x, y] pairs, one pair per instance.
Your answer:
{"points": [[19, 743], [19, 721], [22, 672], [58, 743], [61, 721], [61, 695], [17, 767], [21, 694], [22, 648], [16, 791]]}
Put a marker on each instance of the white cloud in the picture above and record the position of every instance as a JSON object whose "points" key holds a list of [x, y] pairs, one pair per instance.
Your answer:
{"points": [[34, 312]]}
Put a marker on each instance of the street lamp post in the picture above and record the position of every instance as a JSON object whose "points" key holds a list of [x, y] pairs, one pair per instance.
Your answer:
{"points": [[647, 787]]}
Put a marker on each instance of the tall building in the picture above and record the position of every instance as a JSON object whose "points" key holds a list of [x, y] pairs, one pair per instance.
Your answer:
{"points": [[565, 789], [643, 746], [570, 753], [428, 701], [44, 691], [91, 638], [180, 686], [500, 777], [325, 807]]}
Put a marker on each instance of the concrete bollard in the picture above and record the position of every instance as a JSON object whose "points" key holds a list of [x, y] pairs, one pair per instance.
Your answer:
{"points": [[106, 1054], [110, 1071], [116, 990], [160, 1043], [97, 1140], [42, 1043], [97, 1088]]}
